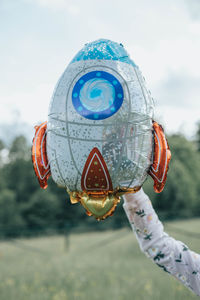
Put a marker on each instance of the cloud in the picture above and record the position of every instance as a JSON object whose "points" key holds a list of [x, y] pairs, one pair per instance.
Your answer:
{"points": [[177, 102], [68, 5], [178, 119], [193, 7], [180, 90]]}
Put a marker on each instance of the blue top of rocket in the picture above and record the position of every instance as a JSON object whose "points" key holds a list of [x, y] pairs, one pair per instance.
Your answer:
{"points": [[104, 49]]}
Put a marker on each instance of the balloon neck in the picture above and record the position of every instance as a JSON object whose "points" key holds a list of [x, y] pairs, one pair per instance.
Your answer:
{"points": [[100, 204]]}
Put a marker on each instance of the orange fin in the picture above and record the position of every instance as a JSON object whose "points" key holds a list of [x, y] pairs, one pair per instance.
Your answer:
{"points": [[39, 155], [162, 156]]}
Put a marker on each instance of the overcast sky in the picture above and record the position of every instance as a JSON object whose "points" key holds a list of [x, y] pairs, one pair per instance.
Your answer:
{"points": [[39, 38]]}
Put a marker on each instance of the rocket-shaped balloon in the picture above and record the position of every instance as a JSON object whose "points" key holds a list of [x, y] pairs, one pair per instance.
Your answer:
{"points": [[100, 140]]}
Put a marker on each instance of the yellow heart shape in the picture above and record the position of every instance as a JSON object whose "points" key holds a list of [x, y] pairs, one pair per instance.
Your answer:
{"points": [[99, 207]]}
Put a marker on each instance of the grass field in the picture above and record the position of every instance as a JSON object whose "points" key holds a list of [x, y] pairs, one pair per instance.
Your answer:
{"points": [[98, 265]]}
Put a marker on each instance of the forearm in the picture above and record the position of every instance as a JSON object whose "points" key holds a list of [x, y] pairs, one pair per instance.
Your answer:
{"points": [[171, 255]]}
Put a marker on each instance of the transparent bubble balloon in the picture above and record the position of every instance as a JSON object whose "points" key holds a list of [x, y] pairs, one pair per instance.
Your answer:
{"points": [[99, 141]]}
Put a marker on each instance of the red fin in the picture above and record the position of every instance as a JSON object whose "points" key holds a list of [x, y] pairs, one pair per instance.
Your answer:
{"points": [[95, 176], [162, 156], [39, 155]]}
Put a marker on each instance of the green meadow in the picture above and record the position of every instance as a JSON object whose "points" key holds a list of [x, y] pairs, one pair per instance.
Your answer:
{"points": [[97, 265]]}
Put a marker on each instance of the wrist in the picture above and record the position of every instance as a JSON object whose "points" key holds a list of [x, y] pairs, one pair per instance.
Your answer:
{"points": [[135, 197]]}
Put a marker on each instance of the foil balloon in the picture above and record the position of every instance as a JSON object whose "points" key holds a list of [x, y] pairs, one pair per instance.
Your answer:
{"points": [[100, 140]]}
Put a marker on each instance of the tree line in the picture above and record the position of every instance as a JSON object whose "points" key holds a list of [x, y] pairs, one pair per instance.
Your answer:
{"points": [[26, 209]]}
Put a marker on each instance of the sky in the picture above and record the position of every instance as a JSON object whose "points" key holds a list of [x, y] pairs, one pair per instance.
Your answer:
{"points": [[39, 38]]}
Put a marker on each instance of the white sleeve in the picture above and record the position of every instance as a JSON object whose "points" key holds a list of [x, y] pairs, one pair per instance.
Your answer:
{"points": [[171, 255]]}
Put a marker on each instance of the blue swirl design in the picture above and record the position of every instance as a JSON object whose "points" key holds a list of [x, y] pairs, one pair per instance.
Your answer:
{"points": [[97, 95]]}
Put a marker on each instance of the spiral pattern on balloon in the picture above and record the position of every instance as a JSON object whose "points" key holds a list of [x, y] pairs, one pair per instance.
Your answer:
{"points": [[97, 95]]}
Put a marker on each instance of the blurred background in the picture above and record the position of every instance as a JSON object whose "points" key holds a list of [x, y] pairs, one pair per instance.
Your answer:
{"points": [[49, 248]]}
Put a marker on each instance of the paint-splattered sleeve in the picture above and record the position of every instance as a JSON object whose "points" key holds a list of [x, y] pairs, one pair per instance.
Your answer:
{"points": [[171, 255]]}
